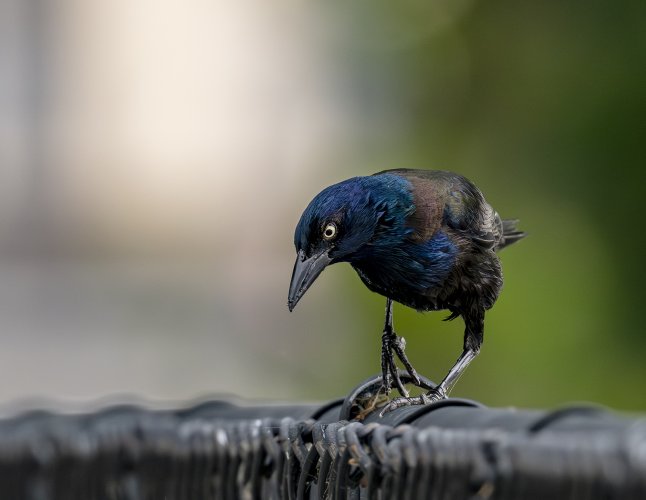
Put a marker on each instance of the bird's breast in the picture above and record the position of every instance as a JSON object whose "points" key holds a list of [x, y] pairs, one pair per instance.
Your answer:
{"points": [[414, 274], [403, 292]]}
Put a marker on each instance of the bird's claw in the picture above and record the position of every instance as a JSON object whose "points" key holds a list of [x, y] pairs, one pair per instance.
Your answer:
{"points": [[432, 396]]}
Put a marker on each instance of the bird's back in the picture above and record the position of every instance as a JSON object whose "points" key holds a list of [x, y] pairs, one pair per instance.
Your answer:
{"points": [[449, 200]]}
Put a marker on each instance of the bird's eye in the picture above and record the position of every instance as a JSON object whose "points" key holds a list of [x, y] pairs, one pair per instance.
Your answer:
{"points": [[329, 232]]}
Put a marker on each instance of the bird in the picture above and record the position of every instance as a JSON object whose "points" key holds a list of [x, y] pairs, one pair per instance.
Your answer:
{"points": [[426, 239]]}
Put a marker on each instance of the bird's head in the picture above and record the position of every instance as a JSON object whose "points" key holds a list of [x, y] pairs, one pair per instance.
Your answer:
{"points": [[339, 225]]}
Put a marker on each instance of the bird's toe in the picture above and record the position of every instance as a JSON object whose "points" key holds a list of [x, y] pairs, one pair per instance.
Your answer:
{"points": [[436, 394], [404, 401], [397, 382], [415, 378]]}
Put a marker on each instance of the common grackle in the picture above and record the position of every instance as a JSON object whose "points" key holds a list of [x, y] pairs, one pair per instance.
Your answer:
{"points": [[424, 238]]}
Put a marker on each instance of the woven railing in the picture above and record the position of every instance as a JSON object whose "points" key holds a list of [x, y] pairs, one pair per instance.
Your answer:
{"points": [[455, 449]]}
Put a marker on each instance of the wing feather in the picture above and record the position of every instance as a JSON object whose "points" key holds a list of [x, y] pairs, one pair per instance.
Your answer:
{"points": [[447, 199]]}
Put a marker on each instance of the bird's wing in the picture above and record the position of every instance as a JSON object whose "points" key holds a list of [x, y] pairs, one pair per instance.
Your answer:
{"points": [[447, 199], [486, 229]]}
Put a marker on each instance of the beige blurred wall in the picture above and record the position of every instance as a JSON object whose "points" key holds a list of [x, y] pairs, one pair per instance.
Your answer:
{"points": [[152, 119], [151, 155]]}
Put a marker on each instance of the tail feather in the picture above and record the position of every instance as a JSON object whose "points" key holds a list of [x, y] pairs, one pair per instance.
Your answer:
{"points": [[510, 233]]}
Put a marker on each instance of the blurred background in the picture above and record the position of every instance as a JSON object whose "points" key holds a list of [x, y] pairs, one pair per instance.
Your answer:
{"points": [[156, 156]]}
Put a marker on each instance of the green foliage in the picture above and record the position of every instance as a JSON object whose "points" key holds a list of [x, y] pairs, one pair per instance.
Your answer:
{"points": [[541, 105]]}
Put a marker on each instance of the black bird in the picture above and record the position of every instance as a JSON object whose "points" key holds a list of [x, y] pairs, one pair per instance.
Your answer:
{"points": [[424, 238]]}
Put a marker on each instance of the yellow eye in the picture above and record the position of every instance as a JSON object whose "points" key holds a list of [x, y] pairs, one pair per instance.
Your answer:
{"points": [[330, 231]]}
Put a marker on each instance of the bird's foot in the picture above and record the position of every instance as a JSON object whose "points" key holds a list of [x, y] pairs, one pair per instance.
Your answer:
{"points": [[432, 396], [399, 346], [390, 376], [392, 380], [393, 345]]}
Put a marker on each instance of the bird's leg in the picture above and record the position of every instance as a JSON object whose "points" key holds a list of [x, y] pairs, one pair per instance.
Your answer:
{"points": [[390, 374], [388, 368], [472, 343], [391, 342], [386, 358], [399, 345], [444, 388], [441, 391], [473, 336]]}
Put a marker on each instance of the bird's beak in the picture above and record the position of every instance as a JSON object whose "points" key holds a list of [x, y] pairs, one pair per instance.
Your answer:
{"points": [[306, 270]]}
